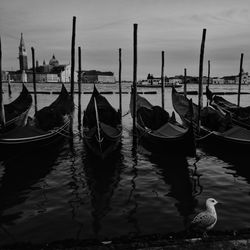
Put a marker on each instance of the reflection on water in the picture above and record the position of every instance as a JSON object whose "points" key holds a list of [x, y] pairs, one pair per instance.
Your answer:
{"points": [[183, 181], [20, 174], [102, 179]]}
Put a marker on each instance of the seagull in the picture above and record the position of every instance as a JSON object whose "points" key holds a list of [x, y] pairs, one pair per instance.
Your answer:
{"points": [[205, 220]]}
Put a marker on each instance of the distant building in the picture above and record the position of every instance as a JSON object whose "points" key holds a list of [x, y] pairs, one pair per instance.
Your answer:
{"points": [[217, 80], [205, 80], [23, 59], [245, 78], [229, 79], [94, 76]]}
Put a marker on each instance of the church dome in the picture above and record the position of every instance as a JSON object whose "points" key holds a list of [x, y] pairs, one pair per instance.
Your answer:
{"points": [[53, 61]]}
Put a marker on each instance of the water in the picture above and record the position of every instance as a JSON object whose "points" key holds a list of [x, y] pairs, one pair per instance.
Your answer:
{"points": [[48, 196]]}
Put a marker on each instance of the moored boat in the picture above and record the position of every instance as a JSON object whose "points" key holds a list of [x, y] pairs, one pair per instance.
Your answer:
{"points": [[46, 128], [158, 132], [16, 112], [240, 115], [102, 128], [216, 129]]}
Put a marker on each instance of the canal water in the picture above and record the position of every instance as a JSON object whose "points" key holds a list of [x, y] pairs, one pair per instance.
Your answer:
{"points": [[65, 194]]}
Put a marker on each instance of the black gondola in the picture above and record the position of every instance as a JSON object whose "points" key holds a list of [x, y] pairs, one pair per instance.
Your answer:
{"points": [[102, 128], [216, 128], [240, 115], [47, 127], [158, 132], [16, 112]]}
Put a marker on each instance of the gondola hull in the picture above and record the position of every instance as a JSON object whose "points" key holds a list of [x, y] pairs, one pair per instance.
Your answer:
{"points": [[9, 146], [159, 134], [240, 115], [49, 126], [235, 140], [177, 145], [104, 147], [102, 128], [16, 112]]}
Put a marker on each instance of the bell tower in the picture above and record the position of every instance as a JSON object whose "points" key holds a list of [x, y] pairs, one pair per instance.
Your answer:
{"points": [[23, 60]]}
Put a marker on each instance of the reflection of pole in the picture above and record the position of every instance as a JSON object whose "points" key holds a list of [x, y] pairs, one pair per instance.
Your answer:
{"points": [[200, 92], [134, 76], [240, 76], [79, 87], [2, 114], [162, 80], [73, 57], [34, 76], [120, 83]]}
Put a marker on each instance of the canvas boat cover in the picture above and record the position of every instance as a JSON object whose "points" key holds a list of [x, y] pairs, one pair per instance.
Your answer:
{"points": [[107, 114]]}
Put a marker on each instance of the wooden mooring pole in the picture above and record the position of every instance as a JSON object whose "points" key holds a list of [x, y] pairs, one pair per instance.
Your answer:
{"points": [[185, 82], [9, 87], [208, 76], [162, 81], [240, 77], [72, 80], [79, 87], [2, 114], [135, 76], [120, 82], [200, 92], [34, 77]]}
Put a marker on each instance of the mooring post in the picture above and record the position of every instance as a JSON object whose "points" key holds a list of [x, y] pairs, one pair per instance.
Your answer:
{"points": [[73, 57], [208, 76], [79, 87], [34, 77], [185, 82], [2, 114], [200, 92], [135, 77], [9, 87], [162, 81], [240, 76], [120, 82]]}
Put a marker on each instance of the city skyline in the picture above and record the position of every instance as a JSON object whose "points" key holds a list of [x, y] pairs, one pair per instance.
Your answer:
{"points": [[102, 27]]}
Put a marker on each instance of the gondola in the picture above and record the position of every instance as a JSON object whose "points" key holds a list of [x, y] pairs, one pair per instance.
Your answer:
{"points": [[240, 115], [102, 128], [159, 133], [16, 112], [216, 129], [46, 128]]}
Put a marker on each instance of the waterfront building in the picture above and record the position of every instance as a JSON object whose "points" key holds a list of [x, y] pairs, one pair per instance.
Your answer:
{"points": [[94, 76], [245, 78], [218, 80]]}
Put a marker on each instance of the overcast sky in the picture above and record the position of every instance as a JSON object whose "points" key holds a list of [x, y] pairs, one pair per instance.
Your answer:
{"points": [[104, 26]]}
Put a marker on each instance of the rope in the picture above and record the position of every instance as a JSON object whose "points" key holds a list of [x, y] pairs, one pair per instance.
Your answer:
{"points": [[205, 136], [126, 114]]}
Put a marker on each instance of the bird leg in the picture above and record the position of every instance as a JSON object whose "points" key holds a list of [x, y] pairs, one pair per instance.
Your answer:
{"points": [[205, 235]]}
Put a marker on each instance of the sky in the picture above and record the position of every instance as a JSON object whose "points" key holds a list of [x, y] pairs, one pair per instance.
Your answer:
{"points": [[104, 26]]}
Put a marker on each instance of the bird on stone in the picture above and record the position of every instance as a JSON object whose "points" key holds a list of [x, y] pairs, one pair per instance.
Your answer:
{"points": [[205, 220]]}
